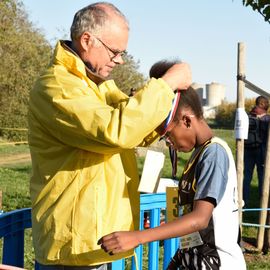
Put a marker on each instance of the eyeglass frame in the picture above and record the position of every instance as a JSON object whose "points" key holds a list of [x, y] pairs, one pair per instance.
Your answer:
{"points": [[114, 52], [166, 135]]}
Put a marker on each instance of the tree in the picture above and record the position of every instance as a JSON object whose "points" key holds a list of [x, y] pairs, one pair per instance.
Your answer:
{"points": [[262, 6], [127, 76], [225, 115], [225, 112], [24, 54]]}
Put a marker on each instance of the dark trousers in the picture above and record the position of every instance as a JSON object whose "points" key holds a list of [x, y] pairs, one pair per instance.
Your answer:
{"points": [[252, 157]]}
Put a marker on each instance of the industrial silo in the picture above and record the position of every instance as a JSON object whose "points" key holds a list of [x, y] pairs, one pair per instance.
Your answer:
{"points": [[215, 94], [199, 89]]}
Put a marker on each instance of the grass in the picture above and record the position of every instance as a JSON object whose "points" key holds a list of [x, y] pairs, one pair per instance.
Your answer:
{"points": [[14, 149], [14, 182]]}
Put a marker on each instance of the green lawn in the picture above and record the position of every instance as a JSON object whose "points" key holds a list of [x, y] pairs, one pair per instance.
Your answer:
{"points": [[14, 182], [13, 149]]}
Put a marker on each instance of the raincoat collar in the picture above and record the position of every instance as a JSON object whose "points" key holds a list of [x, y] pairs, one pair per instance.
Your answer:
{"points": [[65, 54]]}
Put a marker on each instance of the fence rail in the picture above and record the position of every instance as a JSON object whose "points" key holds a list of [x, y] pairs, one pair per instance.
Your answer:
{"points": [[14, 223]]}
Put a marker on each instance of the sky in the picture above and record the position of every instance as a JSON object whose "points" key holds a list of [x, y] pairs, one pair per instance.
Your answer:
{"points": [[203, 33]]}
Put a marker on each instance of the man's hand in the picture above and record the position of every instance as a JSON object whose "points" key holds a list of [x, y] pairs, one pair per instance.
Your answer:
{"points": [[178, 76], [118, 242]]}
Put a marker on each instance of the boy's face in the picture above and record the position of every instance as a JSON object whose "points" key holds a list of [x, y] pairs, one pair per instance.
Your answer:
{"points": [[265, 104], [180, 134]]}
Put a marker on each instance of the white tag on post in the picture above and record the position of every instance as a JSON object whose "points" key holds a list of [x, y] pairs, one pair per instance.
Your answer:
{"points": [[241, 124]]}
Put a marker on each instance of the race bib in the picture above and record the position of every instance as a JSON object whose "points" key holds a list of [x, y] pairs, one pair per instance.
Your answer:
{"points": [[190, 240], [172, 203]]}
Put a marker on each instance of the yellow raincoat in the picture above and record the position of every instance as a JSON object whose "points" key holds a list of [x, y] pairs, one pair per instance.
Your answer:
{"points": [[84, 181]]}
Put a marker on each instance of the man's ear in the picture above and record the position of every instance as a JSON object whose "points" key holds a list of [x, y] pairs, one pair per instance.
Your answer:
{"points": [[86, 39]]}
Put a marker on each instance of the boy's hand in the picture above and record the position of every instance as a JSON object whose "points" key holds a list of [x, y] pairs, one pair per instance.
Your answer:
{"points": [[118, 242]]}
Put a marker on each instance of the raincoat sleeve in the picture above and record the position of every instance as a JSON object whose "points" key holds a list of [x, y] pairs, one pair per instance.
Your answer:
{"points": [[103, 120]]}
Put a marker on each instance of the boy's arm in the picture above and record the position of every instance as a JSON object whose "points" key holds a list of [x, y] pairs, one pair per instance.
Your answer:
{"points": [[197, 220]]}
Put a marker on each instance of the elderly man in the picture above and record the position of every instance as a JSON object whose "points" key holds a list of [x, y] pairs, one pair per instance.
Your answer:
{"points": [[82, 131]]}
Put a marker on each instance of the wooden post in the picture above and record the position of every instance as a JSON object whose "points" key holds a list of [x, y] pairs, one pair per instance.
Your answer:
{"points": [[240, 142], [265, 195], [266, 244]]}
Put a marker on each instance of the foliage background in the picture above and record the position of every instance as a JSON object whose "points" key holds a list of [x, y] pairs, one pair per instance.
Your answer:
{"points": [[261, 6], [25, 53]]}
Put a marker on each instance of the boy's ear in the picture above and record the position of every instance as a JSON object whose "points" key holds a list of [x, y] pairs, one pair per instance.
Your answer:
{"points": [[187, 121]]}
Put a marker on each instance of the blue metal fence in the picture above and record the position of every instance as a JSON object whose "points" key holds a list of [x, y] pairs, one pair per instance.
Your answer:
{"points": [[13, 224]]}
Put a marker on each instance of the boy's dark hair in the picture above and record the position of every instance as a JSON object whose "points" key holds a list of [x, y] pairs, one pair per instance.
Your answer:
{"points": [[189, 98], [262, 102], [260, 99]]}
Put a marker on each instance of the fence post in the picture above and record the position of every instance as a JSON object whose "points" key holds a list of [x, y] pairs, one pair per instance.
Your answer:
{"points": [[266, 242], [240, 142], [265, 195]]}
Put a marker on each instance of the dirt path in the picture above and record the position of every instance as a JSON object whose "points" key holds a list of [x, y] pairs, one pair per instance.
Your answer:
{"points": [[14, 159], [17, 158]]}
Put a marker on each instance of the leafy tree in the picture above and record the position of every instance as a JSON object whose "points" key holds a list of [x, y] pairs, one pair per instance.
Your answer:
{"points": [[24, 54], [262, 6], [127, 75], [249, 104], [225, 113]]}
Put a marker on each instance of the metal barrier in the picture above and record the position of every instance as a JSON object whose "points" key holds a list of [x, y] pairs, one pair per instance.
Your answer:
{"points": [[13, 224], [254, 224]]}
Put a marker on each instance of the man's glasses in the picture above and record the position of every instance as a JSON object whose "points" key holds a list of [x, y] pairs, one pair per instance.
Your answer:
{"points": [[114, 52]]}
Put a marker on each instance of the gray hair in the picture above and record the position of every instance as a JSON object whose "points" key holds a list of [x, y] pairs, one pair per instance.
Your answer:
{"points": [[93, 18]]}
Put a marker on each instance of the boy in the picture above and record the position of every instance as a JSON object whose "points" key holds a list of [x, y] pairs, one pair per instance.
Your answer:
{"points": [[207, 192]]}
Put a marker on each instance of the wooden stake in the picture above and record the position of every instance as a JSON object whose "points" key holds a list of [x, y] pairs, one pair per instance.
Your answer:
{"points": [[265, 195], [240, 142]]}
